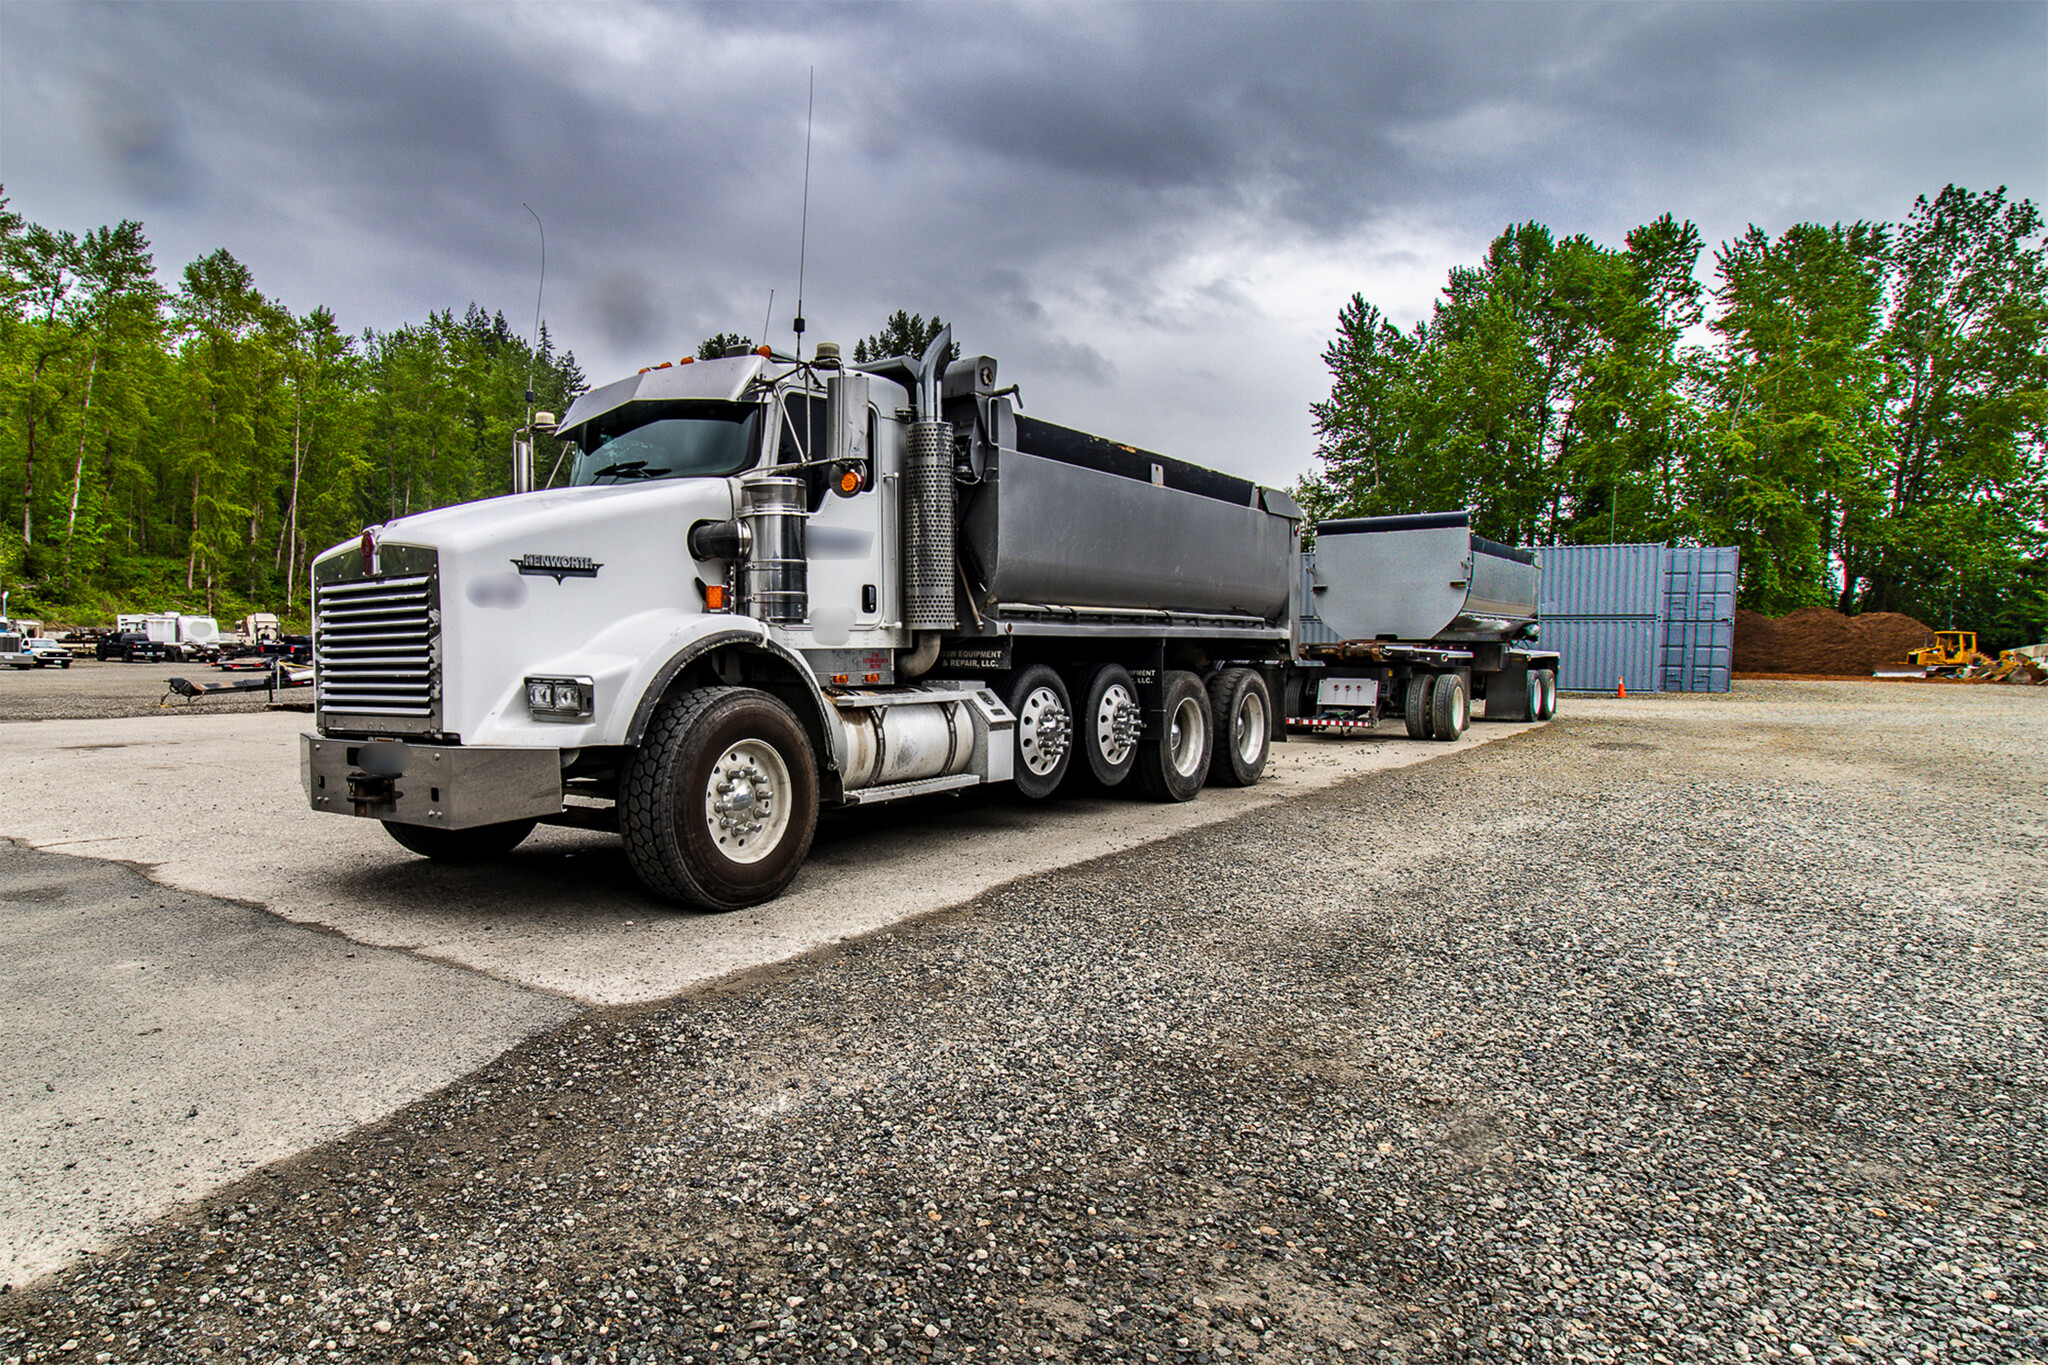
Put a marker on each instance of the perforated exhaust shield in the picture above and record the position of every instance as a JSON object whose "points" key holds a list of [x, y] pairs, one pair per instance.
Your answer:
{"points": [[928, 527]]}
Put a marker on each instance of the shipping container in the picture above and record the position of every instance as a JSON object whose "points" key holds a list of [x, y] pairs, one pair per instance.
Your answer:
{"points": [[1649, 617]]}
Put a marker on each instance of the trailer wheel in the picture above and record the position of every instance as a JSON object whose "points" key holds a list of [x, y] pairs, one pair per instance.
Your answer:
{"points": [[1243, 712], [1110, 719], [1416, 712], [1549, 693], [1045, 731], [475, 845], [1447, 707], [718, 804], [1174, 760]]}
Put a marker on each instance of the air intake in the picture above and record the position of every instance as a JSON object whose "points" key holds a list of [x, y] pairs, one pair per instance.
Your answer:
{"points": [[928, 527]]}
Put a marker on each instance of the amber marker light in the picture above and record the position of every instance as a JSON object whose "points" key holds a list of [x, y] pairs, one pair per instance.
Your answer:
{"points": [[714, 597], [849, 482], [763, 350], [687, 360]]}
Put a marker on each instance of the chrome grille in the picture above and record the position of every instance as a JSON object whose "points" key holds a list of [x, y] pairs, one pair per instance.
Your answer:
{"points": [[376, 642]]}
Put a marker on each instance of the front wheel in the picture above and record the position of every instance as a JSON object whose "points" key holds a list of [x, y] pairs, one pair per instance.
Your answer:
{"points": [[478, 844], [1174, 759], [1243, 711], [718, 804]]}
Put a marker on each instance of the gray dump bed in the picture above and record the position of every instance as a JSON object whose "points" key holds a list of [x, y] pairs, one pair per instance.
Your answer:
{"points": [[1423, 578], [1064, 519]]}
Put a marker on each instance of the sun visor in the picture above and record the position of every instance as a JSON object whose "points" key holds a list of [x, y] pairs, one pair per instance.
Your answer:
{"points": [[726, 380]]}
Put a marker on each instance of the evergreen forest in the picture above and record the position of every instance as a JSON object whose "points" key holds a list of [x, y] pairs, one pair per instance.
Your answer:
{"points": [[1861, 409]]}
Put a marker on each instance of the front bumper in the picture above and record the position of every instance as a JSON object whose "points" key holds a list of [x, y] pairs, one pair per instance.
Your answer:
{"points": [[446, 786]]}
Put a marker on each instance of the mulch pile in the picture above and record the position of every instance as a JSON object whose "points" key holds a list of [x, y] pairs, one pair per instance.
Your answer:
{"points": [[1815, 640]]}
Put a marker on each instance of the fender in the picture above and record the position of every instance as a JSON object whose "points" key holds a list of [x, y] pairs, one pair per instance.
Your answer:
{"points": [[747, 639]]}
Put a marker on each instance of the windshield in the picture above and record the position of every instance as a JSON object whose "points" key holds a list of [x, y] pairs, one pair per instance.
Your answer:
{"points": [[668, 441]]}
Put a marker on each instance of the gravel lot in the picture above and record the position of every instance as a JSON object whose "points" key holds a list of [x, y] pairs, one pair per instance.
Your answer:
{"points": [[1686, 1029]]}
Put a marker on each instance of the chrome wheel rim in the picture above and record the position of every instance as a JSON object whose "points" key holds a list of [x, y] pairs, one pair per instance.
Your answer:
{"points": [[1116, 724], [1044, 730], [1184, 736], [746, 801], [1250, 727]]}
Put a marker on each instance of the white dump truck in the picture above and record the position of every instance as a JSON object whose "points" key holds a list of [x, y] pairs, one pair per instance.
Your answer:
{"points": [[772, 586]]}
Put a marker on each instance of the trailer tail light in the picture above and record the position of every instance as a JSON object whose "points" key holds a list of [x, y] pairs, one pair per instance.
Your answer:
{"points": [[560, 698]]}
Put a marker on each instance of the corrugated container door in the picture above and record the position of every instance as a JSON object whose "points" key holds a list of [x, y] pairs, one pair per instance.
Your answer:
{"points": [[1699, 635], [1603, 610]]}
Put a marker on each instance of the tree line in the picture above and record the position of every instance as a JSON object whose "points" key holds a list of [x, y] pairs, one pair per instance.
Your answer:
{"points": [[1860, 408], [192, 445]]}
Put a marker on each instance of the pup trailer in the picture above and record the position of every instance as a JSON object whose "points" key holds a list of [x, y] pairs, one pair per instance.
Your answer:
{"points": [[775, 585]]}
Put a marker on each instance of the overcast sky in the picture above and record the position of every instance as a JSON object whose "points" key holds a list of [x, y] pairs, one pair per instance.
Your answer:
{"points": [[1149, 214]]}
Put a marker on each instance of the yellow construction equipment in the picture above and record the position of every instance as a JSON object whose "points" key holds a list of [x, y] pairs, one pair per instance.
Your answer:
{"points": [[1952, 652]]}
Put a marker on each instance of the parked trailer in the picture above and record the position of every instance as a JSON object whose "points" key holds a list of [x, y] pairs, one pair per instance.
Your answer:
{"points": [[1417, 617], [775, 585]]}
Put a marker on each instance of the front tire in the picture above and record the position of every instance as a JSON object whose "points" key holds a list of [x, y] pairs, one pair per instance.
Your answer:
{"points": [[1045, 731], [1174, 760], [1243, 711], [718, 804], [478, 844]]}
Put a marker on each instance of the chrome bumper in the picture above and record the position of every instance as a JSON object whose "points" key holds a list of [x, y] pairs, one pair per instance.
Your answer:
{"points": [[447, 786]]}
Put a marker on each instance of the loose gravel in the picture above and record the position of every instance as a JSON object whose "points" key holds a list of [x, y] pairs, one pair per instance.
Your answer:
{"points": [[94, 689], [1700, 1031]]}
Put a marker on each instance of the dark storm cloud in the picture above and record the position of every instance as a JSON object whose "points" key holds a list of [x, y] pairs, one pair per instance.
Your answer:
{"points": [[1090, 191]]}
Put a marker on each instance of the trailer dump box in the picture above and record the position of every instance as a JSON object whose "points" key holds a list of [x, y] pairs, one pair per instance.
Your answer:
{"points": [[1065, 519], [1423, 577]]}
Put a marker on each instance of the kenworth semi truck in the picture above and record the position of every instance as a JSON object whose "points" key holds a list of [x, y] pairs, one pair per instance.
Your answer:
{"points": [[774, 585]]}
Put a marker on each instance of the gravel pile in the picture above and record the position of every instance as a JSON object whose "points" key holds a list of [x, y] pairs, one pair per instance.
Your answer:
{"points": [[1689, 1033]]}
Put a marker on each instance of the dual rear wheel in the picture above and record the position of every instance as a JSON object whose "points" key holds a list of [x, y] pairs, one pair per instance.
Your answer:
{"points": [[1437, 706], [1218, 733]]}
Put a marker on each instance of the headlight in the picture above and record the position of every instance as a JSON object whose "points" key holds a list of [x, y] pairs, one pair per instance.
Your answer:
{"points": [[560, 698]]}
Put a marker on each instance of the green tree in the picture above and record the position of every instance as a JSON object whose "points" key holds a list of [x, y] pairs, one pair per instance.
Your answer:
{"points": [[719, 344], [1954, 530], [1793, 438], [1540, 392], [904, 333]]}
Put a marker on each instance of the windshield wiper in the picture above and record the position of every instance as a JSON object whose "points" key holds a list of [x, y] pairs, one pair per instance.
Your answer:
{"points": [[629, 469]]}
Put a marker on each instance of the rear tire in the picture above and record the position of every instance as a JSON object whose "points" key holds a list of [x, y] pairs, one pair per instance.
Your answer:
{"points": [[1108, 724], [1173, 761], [1447, 714], [718, 804], [478, 844], [1416, 711], [1549, 693], [1242, 709], [1045, 731]]}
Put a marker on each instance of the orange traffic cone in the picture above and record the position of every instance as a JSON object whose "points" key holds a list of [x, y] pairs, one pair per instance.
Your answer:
{"points": [[1621, 687]]}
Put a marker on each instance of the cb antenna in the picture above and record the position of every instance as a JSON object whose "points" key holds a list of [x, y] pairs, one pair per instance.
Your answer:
{"points": [[803, 239], [522, 465]]}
